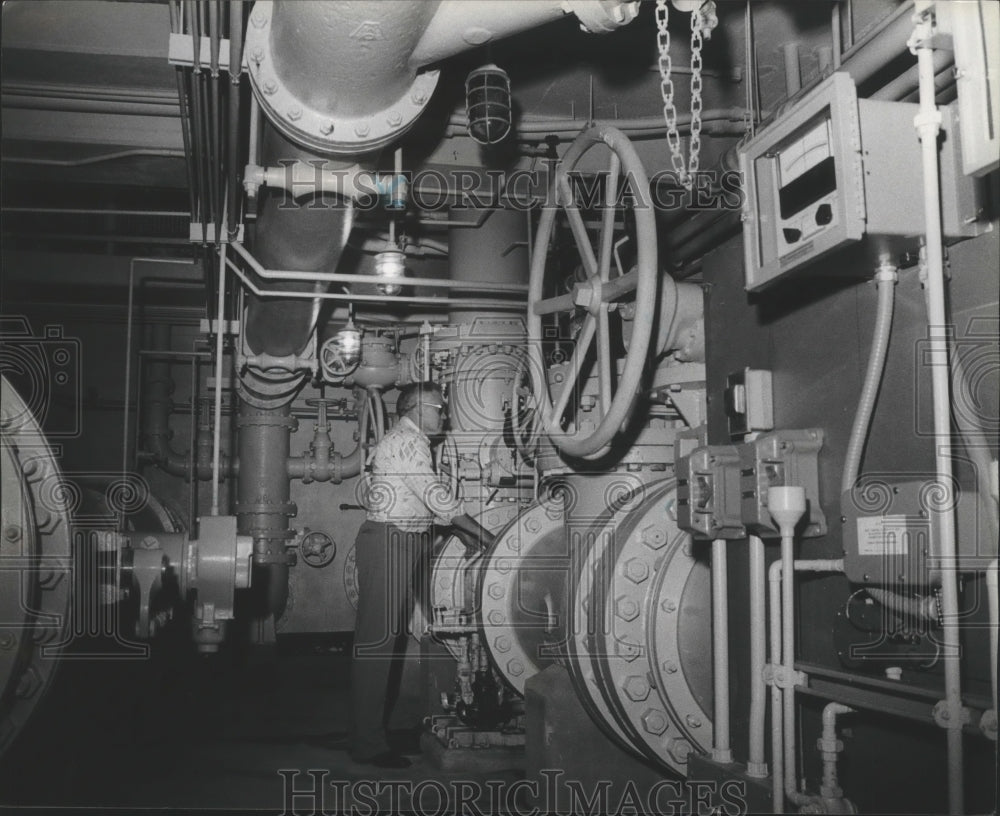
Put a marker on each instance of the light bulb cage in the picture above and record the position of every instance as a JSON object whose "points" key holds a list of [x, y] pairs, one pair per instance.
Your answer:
{"points": [[488, 104]]}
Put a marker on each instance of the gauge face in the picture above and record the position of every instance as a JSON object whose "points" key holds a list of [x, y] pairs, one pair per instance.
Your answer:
{"points": [[806, 187]]}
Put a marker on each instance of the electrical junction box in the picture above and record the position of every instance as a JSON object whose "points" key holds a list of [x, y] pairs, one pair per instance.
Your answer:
{"points": [[975, 30], [722, 489], [749, 401], [890, 536], [835, 171]]}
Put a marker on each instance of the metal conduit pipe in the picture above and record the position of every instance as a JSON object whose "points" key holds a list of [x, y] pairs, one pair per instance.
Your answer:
{"points": [[263, 504], [157, 387], [233, 148], [928, 126]]}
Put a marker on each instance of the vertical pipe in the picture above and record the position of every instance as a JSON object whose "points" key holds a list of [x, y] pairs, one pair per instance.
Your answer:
{"points": [[263, 505], [928, 123], [777, 760], [720, 651], [788, 658], [793, 72], [756, 765], [219, 334], [233, 151], [830, 788]]}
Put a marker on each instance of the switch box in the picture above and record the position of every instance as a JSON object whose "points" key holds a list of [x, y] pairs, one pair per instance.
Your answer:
{"points": [[890, 536], [749, 402], [708, 493], [781, 459]]}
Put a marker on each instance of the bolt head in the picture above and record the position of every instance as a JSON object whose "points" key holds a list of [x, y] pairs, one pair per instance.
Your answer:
{"points": [[679, 750], [668, 605], [295, 114], [653, 536], [270, 86], [693, 721], [12, 533], [626, 608], [670, 667], [654, 721], [326, 128], [394, 119], [503, 566], [361, 129], [515, 667], [636, 688], [636, 570], [502, 643], [496, 590], [418, 97], [496, 617]]}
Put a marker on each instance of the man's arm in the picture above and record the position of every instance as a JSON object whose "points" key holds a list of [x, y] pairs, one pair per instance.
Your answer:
{"points": [[472, 534]]}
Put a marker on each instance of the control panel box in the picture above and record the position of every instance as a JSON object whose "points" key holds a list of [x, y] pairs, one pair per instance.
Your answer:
{"points": [[890, 535], [722, 489], [835, 171]]}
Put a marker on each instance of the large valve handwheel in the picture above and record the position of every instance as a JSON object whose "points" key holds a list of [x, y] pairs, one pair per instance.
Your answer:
{"points": [[596, 296]]}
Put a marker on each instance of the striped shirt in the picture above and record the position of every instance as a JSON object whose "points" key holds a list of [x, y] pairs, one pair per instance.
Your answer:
{"points": [[403, 488]]}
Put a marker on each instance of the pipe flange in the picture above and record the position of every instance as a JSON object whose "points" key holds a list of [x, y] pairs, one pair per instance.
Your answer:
{"points": [[528, 544], [316, 129], [270, 394]]}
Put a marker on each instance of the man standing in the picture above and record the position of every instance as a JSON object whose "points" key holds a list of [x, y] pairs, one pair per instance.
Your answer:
{"points": [[405, 498]]}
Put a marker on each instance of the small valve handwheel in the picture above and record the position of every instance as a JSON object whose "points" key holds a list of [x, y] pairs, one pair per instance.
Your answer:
{"points": [[317, 549], [337, 358]]}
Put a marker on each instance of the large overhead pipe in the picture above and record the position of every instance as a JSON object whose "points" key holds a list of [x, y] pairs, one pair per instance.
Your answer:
{"points": [[345, 77], [308, 235]]}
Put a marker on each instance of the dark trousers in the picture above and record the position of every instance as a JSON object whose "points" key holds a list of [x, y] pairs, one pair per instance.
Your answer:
{"points": [[387, 560]]}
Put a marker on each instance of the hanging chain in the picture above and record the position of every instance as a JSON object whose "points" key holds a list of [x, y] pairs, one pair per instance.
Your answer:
{"points": [[667, 89], [703, 21]]}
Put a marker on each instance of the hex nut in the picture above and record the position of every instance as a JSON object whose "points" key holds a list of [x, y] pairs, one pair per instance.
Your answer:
{"points": [[515, 667], [636, 570], [654, 721], [678, 749], [668, 605], [653, 536], [627, 651], [496, 617], [496, 590], [502, 643], [626, 608], [361, 129], [670, 667], [693, 721], [636, 688]]}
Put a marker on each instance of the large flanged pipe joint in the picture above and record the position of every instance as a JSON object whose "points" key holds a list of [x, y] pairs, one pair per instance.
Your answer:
{"points": [[303, 58]]}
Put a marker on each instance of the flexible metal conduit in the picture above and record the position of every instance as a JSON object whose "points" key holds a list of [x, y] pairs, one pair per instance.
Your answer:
{"points": [[885, 281]]}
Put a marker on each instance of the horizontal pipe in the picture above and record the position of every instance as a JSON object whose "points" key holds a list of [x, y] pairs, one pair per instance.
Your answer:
{"points": [[336, 277], [445, 301]]}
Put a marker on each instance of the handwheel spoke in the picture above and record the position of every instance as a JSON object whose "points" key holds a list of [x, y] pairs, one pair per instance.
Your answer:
{"points": [[560, 303], [608, 220], [577, 227], [575, 364], [604, 358], [612, 290]]}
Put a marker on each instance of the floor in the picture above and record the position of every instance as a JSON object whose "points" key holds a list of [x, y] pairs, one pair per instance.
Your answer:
{"points": [[235, 730]]}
